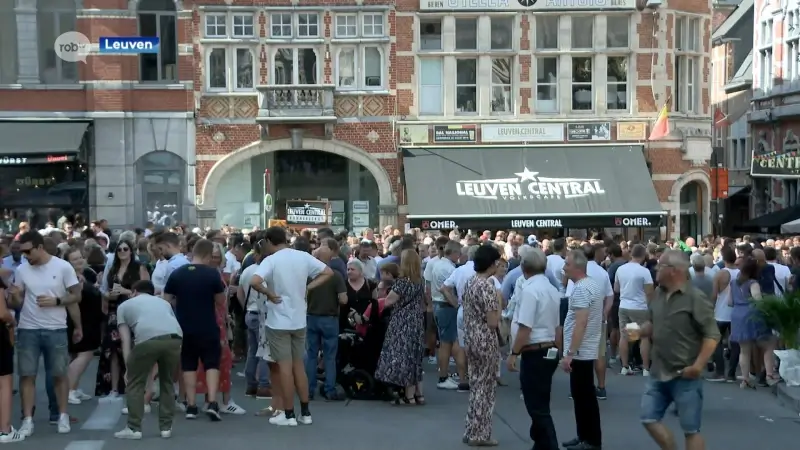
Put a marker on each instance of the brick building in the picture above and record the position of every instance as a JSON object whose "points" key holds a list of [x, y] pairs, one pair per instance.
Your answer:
{"points": [[731, 94], [775, 118], [111, 138]]}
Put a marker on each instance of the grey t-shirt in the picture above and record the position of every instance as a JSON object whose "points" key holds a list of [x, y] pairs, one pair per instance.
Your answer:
{"points": [[704, 283], [148, 316]]}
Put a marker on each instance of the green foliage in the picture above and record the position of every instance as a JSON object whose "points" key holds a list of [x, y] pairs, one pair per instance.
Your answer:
{"points": [[783, 315]]}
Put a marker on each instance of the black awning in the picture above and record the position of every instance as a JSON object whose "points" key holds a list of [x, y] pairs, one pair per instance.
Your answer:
{"points": [[45, 141], [526, 187], [772, 221]]}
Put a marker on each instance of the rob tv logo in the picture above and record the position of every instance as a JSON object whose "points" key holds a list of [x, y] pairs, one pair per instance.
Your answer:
{"points": [[75, 47]]}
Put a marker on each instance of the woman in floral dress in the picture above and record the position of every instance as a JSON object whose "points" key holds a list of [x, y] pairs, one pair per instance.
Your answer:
{"points": [[400, 363], [481, 303], [226, 360]]}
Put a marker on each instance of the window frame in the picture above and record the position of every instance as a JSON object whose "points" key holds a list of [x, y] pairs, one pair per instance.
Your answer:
{"points": [[441, 86], [273, 24], [476, 19], [537, 84], [297, 27], [627, 46], [251, 16], [792, 42], [476, 85], [419, 35], [295, 57], [592, 88], [215, 15], [686, 64], [512, 95], [231, 68], [536, 48], [626, 83], [159, 57], [55, 14], [360, 52], [512, 41], [592, 38]]}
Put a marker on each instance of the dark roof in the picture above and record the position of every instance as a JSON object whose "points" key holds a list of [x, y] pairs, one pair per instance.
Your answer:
{"points": [[738, 14], [743, 78]]}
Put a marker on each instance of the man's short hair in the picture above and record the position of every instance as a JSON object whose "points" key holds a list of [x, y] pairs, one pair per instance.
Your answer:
{"points": [[276, 236], [144, 287], [332, 244], [36, 239], [203, 248], [168, 238], [638, 251]]}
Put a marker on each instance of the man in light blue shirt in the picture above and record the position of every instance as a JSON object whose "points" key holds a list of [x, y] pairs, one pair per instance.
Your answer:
{"points": [[509, 281]]}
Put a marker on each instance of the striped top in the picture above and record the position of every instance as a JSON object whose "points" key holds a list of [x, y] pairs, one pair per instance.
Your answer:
{"points": [[588, 293]]}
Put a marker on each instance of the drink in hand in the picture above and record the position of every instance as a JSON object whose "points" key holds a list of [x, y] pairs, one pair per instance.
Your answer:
{"points": [[633, 331]]}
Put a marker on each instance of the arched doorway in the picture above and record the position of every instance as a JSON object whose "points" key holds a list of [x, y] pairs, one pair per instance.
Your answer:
{"points": [[347, 177], [692, 210]]}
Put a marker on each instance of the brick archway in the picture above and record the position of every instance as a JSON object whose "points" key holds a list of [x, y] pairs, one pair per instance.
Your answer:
{"points": [[701, 177], [209, 193]]}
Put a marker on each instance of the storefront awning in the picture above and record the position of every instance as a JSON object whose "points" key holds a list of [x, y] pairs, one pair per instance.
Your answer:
{"points": [[22, 139], [771, 222], [530, 187]]}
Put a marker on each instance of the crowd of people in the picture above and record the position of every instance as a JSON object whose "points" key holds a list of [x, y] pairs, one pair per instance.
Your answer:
{"points": [[169, 311]]}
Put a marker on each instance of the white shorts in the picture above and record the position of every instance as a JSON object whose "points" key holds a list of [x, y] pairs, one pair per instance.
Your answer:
{"points": [[460, 326]]}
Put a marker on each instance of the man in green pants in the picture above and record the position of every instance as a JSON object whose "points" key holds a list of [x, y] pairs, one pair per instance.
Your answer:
{"points": [[157, 338]]}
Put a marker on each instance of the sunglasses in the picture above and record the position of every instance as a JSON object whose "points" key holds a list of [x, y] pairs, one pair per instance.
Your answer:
{"points": [[123, 249]]}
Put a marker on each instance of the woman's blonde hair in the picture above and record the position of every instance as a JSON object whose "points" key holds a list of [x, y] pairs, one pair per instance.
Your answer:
{"points": [[219, 248], [411, 266]]}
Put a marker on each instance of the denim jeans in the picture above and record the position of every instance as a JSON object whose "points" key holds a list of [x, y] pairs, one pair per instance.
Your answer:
{"points": [[51, 345], [687, 396], [322, 332], [255, 367]]}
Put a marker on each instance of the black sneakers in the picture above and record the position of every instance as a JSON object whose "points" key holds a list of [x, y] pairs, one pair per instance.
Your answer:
{"points": [[213, 412], [191, 411]]}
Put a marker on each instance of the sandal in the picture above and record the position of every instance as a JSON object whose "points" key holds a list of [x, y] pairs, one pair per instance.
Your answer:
{"points": [[773, 379], [748, 384], [405, 401], [419, 400]]}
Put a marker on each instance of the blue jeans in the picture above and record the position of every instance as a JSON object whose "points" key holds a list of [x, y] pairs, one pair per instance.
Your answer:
{"points": [[255, 369], [687, 396], [322, 331], [48, 343]]}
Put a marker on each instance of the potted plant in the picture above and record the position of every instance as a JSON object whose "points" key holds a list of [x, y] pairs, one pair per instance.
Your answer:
{"points": [[782, 314]]}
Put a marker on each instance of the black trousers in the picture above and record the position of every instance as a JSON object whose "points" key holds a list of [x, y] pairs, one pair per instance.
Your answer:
{"points": [[584, 397], [536, 379], [719, 353]]}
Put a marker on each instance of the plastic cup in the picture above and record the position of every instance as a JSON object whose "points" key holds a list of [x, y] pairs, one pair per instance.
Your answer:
{"points": [[633, 331]]}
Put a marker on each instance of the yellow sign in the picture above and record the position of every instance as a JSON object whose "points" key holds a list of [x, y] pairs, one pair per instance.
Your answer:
{"points": [[413, 134], [631, 131]]}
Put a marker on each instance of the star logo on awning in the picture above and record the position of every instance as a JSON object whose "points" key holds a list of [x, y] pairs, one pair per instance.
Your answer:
{"points": [[526, 175]]}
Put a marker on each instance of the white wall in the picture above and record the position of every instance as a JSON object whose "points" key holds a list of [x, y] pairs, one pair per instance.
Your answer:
{"points": [[233, 191]]}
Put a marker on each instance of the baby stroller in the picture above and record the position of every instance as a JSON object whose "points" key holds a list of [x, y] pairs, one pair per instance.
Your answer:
{"points": [[357, 358]]}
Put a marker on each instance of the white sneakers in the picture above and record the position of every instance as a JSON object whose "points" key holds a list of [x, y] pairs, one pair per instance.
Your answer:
{"points": [[127, 433], [147, 409], [78, 396], [448, 384], [232, 408], [280, 420], [11, 437], [26, 429]]}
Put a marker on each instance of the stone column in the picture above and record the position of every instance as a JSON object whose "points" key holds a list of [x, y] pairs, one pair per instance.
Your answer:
{"points": [[27, 42]]}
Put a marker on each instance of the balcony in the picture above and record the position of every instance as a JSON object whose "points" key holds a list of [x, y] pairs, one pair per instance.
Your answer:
{"points": [[303, 103]]}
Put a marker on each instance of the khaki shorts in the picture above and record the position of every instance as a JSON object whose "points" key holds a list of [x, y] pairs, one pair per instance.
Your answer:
{"points": [[637, 316], [286, 345], [601, 352]]}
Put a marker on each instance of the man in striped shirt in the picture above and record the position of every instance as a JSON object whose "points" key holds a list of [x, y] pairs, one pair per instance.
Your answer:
{"points": [[582, 334]]}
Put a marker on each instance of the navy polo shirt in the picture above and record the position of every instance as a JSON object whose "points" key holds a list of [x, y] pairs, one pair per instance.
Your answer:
{"points": [[194, 287]]}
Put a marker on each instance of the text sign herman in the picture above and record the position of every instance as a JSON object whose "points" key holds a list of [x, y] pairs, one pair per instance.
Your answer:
{"points": [[306, 213], [524, 5]]}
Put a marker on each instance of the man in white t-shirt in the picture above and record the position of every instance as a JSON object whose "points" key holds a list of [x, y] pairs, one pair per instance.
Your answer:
{"points": [[286, 273], [46, 287], [634, 283]]}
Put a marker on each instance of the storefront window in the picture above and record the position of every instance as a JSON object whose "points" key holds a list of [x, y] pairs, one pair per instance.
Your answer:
{"points": [[41, 193], [163, 177]]}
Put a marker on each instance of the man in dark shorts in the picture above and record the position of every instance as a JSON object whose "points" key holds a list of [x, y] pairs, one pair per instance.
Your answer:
{"points": [[617, 260], [195, 289]]}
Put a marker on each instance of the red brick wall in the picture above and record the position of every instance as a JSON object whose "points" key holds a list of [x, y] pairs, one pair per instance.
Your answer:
{"points": [[108, 68]]}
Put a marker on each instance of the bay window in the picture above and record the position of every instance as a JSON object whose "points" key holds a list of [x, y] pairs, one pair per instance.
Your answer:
{"points": [[360, 44], [229, 67]]}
